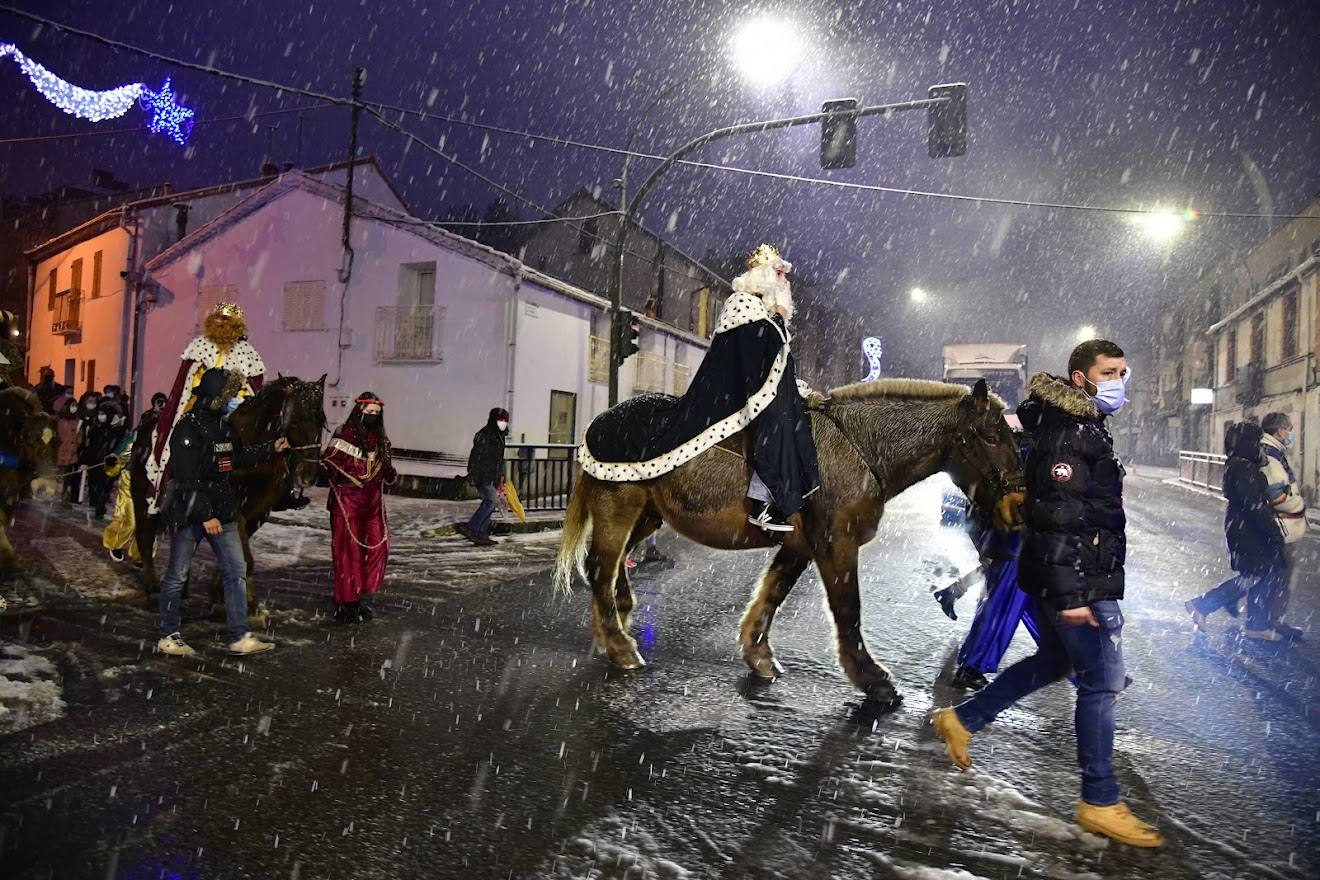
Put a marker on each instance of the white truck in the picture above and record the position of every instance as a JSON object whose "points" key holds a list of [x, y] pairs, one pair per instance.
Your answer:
{"points": [[1003, 365]]}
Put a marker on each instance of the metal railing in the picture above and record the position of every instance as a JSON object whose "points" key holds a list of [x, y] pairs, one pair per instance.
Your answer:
{"points": [[542, 473], [409, 334], [1203, 469], [66, 317]]}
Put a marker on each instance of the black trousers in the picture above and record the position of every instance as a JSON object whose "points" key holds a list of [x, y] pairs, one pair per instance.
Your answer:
{"points": [[783, 450]]}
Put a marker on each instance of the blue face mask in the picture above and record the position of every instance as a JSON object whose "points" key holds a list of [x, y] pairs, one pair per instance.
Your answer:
{"points": [[233, 404], [1289, 441], [1110, 396]]}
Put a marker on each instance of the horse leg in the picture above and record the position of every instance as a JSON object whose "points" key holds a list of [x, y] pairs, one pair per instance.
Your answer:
{"points": [[838, 572], [144, 534], [623, 594], [754, 633], [609, 541]]}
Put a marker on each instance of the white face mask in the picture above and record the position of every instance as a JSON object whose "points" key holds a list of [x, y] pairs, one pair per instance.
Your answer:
{"points": [[503, 426]]}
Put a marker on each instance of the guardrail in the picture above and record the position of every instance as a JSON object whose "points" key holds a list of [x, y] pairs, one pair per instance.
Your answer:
{"points": [[542, 473], [1203, 469]]}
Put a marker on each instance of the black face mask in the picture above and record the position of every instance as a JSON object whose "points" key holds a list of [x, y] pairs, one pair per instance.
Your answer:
{"points": [[371, 420]]}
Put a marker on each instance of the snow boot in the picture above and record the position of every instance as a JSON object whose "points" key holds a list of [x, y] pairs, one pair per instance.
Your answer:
{"points": [[249, 644], [174, 645], [1118, 823], [949, 727]]}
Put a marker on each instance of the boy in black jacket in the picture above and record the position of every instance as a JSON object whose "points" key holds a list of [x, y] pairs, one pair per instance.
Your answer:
{"points": [[205, 450], [1073, 550]]}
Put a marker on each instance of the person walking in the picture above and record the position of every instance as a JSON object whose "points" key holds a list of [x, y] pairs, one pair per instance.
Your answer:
{"points": [[1071, 563], [204, 451], [1254, 536], [486, 473], [1285, 495], [359, 466], [103, 438], [68, 430]]}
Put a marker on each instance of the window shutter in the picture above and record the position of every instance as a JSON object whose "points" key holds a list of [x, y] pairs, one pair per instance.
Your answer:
{"points": [[304, 305]]}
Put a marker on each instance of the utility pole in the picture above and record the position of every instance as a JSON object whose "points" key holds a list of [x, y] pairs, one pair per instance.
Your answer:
{"points": [[346, 267]]}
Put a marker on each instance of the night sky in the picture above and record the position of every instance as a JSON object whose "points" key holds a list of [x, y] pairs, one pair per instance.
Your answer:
{"points": [[1212, 105]]}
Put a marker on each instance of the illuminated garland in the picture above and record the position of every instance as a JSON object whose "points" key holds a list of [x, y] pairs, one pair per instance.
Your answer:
{"points": [[167, 117], [872, 349]]}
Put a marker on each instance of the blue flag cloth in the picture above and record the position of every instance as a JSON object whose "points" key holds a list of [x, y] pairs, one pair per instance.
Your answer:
{"points": [[1002, 606]]}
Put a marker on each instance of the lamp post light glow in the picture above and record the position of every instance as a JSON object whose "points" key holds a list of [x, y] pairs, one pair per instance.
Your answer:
{"points": [[1203, 396], [1087, 333], [918, 296], [1163, 225], [766, 50]]}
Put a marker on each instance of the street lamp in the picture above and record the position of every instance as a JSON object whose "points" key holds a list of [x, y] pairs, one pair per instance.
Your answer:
{"points": [[1086, 333], [1161, 224], [918, 296], [766, 50]]}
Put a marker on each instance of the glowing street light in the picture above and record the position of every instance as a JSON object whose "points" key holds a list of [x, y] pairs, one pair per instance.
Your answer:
{"points": [[766, 50], [918, 296], [1163, 225], [1087, 332]]}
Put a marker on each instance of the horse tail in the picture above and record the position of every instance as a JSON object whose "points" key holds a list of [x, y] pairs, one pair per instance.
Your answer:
{"points": [[577, 536]]}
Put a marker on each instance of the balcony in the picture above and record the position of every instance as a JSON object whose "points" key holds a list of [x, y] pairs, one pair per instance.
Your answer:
{"points": [[408, 334], [66, 314]]}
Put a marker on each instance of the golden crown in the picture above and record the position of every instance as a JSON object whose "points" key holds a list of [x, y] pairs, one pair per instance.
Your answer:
{"points": [[763, 256], [229, 310]]}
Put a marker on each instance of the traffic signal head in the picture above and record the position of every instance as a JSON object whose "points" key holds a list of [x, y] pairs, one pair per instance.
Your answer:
{"points": [[838, 134], [627, 333], [947, 122]]}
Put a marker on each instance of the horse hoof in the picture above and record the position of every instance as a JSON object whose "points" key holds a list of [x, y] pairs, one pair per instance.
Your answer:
{"points": [[628, 661], [767, 668], [883, 695]]}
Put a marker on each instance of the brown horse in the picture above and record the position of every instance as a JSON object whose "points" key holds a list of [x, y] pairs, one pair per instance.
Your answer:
{"points": [[875, 439], [287, 407], [28, 445]]}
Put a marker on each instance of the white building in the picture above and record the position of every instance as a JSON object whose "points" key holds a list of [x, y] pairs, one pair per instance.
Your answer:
{"points": [[441, 327]]}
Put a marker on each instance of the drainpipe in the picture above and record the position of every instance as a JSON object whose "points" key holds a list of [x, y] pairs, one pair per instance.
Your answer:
{"points": [[512, 325], [31, 319], [132, 299]]}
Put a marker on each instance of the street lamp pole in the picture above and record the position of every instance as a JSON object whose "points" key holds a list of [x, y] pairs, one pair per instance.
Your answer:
{"points": [[629, 207]]}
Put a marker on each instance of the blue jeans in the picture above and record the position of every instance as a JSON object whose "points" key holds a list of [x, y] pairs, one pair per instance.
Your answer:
{"points": [[480, 522], [1095, 656], [228, 550]]}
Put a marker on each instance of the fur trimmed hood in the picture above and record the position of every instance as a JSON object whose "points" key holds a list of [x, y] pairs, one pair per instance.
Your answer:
{"points": [[1060, 393]]}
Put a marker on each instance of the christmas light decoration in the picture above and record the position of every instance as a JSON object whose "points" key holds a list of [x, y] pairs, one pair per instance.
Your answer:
{"points": [[167, 116], [872, 349]]}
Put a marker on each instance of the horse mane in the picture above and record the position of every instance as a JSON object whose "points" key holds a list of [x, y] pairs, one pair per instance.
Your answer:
{"points": [[903, 389]]}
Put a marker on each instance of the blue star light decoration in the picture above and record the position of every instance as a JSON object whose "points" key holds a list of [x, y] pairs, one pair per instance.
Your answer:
{"points": [[167, 116]]}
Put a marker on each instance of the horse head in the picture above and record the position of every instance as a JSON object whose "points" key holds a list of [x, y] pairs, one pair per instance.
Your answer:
{"points": [[295, 410], [28, 434], [984, 460]]}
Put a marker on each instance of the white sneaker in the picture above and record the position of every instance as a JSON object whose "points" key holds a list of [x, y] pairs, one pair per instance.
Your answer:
{"points": [[249, 644], [770, 519], [174, 645]]}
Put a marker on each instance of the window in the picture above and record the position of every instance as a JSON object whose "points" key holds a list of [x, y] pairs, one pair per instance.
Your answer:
{"points": [[75, 276], [563, 422], [1257, 350], [409, 334], [587, 235], [417, 284], [1230, 356], [650, 372], [50, 294], [682, 376], [304, 305], [91, 375], [598, 361], [96, 274], [1289, 348], [212, 295]]}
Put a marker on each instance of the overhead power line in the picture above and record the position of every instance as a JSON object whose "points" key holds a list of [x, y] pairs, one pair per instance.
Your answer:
{"points": [[582, 218]]}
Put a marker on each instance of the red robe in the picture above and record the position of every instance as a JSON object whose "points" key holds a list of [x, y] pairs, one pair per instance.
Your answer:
{"points": [[359, 533]]}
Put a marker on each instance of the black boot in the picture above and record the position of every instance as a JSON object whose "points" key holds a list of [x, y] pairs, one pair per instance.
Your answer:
{"points": [[364, 610], [968, 679], [946, 599], [346, 612]]}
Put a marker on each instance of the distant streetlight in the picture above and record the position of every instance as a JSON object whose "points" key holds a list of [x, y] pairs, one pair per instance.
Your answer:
{"points": [[767, 50], [1203, 396], [1086, 333], [1163, 225], [918, 296]]}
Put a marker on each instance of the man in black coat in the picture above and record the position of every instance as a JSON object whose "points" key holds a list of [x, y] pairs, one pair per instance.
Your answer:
{"points": [[205, 450], [486, 473], [1255, 540], [1073, 550], [103, 436]]}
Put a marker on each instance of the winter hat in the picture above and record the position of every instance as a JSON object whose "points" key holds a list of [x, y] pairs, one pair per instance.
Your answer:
{"points": [[212, 383]]}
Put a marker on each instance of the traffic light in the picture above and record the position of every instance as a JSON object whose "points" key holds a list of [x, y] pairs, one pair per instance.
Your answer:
{"points": [[947, 122], [838, 134], [627, 330]]}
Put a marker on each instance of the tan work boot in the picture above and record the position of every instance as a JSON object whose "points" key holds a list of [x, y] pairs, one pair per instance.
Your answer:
{"points": [[956, 738], [1118, 823]]}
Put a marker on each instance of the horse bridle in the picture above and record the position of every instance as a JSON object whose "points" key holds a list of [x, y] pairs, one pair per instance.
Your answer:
{"points": [[986, 470]]}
